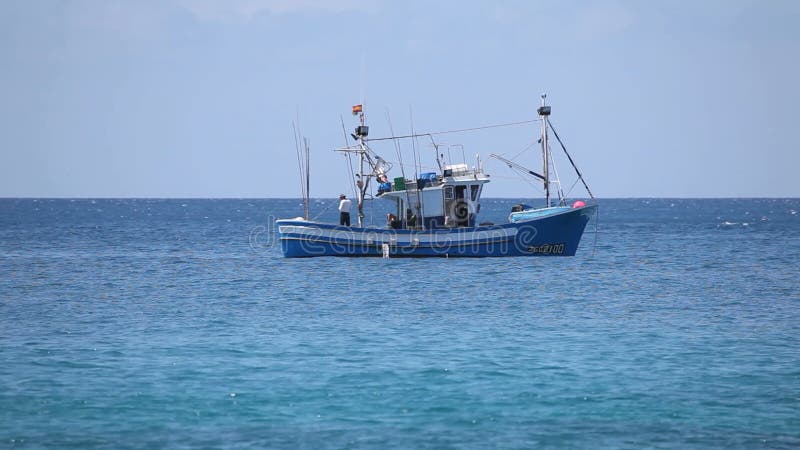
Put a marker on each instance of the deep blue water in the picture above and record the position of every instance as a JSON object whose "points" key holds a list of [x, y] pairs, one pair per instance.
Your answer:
{"points": [[176, 323]]}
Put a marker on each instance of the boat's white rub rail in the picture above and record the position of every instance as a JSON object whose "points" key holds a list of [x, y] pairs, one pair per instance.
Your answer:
{"points": [[387, 237]]}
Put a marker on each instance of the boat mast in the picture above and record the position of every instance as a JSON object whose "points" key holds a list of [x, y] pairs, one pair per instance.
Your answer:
{"points": [[361, 133], [544, 111], [303, 163], [307, 199]]}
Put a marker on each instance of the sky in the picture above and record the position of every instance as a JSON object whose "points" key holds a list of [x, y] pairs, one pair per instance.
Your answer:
{"points": [[196, 98]]}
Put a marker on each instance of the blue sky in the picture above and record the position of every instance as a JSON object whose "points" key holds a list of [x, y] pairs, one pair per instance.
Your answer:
{"points": [[182, 98]]}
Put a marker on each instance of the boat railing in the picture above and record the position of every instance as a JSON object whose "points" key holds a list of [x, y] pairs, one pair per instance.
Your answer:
{"points": [[438, 180]]}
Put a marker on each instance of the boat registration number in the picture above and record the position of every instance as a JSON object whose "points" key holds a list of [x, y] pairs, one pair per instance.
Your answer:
{"points": [[547, 249]]}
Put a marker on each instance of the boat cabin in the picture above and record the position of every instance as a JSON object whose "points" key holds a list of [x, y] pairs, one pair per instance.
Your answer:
{"points": [[447, 200]]}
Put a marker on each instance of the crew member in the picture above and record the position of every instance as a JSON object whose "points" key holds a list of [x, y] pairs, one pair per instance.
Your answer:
{"points": [[344, 210], [392, 221], [411, 218]]}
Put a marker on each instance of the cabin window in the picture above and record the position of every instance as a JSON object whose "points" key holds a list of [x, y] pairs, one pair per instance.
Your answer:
{"points": [[448, 193], [474, 189]]}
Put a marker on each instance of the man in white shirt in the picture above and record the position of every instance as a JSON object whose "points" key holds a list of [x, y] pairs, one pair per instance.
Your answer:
{"points": [[344, 210]]}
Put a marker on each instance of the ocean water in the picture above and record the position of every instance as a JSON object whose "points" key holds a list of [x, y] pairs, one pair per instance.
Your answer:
{"points": [[177, 324]]}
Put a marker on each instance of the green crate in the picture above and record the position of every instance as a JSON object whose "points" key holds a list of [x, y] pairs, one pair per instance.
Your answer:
{"points": [[399, 184]]}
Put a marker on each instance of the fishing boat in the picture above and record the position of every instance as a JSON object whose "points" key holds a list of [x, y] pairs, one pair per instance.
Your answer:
{"points": [[436, 213]]}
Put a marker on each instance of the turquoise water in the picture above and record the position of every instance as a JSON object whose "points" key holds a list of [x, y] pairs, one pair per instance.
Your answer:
{"points": [[176, 324]]}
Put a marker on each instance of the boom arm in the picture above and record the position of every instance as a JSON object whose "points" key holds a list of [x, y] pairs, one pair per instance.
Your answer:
{"points": [[516, 166]]}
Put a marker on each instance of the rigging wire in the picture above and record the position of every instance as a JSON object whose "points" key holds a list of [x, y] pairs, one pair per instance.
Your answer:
{"points": [[297, 153], [303, 168], [596, 223], [534, 184], [418, 206], [413, 142], [559, 189], [402, 171], [527, 147], [308, 177], [580, 177], [524, 176], [413, 135], [350, 178], [396, 144], [569, 191], [417, 161], [324, 210], [431, 168]]}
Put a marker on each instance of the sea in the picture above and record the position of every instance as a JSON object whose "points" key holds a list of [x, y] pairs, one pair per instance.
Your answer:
{"points": [[153, 323]]}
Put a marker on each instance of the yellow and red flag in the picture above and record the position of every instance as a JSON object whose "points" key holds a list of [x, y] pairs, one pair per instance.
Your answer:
{"points": [[357, 109]]}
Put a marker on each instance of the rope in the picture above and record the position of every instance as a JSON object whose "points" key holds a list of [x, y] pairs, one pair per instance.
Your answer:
{"points": [[526, 179], [414, 135], [560, 190], [596, 222], [527, 147], [350, 174], [400, 159], [570, 160], [571, 188], [324, 210]]}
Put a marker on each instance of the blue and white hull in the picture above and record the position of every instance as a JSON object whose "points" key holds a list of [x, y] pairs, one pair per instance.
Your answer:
{"points": [[552, 231]]}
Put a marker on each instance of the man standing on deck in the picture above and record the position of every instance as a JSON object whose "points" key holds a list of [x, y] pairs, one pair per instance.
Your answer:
{"points": [[344, 210]]}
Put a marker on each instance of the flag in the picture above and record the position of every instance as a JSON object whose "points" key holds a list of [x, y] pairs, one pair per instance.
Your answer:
{"points": [[357, 109]]}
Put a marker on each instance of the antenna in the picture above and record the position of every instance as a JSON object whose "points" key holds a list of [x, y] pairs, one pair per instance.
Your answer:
{"points": [[363, 88], [401, 211], [417, 169], [303, 163]]}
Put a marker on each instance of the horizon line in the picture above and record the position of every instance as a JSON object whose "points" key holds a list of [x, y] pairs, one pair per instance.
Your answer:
{"points": [[377, 198]]}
